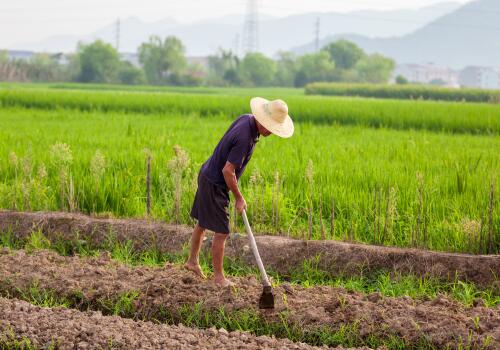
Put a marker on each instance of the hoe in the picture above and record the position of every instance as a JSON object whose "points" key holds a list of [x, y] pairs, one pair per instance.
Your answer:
{"points": [[266, 300]]}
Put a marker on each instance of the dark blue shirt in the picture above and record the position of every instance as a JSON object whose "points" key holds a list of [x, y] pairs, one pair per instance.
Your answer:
{"points": [[236, 147]]}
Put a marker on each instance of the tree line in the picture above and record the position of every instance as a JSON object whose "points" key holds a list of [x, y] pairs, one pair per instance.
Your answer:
{"points": [[164, 62]]}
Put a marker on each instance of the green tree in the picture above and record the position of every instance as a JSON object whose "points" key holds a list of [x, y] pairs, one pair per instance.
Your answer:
{"points": [[314, 67], [193, 75], [43, 68], [286, 69], [223, 69], [437, 82], [401, 80], [99, 62], [163, 60], [128, 74], [257, 69], [375, 69], [345, 53]]}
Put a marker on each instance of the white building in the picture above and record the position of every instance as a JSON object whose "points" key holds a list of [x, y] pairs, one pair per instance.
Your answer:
{"points": [[427, 73], [480, 77], [19, 54]]}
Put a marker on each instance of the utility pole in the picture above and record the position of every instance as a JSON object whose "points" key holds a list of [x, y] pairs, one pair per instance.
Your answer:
{"points": [[317, 31], [117, 44], [251, 28]]}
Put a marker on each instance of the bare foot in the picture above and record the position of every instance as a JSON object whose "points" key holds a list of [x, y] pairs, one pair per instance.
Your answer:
{"points": [[223, 282], [195, 268]]}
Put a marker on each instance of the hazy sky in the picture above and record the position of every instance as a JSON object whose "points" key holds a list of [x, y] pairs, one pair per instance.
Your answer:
{"points": [[32, 20]]}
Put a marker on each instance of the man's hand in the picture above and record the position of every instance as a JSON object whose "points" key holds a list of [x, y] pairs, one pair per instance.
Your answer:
{"points": [[241, 204], [232, 184]]}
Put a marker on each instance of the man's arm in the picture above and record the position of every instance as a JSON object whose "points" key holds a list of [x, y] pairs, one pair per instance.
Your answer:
{"points": [[232, 183]]}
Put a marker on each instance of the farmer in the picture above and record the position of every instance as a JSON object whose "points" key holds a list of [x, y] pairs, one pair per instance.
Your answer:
{"points": [[220, 174]]}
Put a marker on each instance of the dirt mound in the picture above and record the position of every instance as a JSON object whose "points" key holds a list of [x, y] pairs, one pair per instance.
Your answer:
{"points": [[441, 321], [60, 225], [72, 329], [279, 253]]}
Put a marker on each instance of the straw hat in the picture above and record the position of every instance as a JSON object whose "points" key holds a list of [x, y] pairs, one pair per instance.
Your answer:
{"points": [[273, 115]]}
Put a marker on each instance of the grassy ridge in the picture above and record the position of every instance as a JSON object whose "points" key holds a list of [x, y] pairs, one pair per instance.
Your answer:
{"points": [[307, 274], [271, 92], [402, 188], [413, 92], [435, 116]]}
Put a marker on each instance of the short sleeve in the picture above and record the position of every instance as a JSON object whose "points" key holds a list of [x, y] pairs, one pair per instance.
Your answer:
{"points": [[238, 153]]}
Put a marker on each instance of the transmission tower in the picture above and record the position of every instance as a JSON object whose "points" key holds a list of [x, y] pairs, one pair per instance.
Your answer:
{"points": [[317, 32], [236, 45], [117, 38], [251, 28]]}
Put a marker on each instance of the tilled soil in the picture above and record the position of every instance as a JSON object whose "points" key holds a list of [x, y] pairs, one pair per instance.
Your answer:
{"points": [[281, 254], [72, 329], [441, 321]]}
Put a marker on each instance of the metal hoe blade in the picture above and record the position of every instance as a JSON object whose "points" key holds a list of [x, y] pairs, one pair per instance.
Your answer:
{"points": [[266, 300]]}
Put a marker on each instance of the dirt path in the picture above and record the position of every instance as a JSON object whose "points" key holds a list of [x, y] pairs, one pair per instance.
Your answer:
{"points": [[73, 329], [279, 253], [442, 321]]}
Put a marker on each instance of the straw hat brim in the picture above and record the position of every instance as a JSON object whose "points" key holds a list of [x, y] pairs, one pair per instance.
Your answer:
{"points": [[284, 130]]}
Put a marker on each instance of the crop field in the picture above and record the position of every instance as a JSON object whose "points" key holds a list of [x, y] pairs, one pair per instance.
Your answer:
{"points": [[339, 208], [414, 92]]}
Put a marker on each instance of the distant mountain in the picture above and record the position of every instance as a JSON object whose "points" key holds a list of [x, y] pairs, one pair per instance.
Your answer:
{"points": [[204, 37], [468, 36]]}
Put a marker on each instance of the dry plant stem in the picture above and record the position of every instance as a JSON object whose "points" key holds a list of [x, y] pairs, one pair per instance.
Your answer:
{"points": [[148, 186], [310, 220], [375, 215], [480, 238], [62, 181], [492, 202], [262, 203], [420, 208], [323, 237], [71, 195], [277, 184], [332, 223], [386, 214]]}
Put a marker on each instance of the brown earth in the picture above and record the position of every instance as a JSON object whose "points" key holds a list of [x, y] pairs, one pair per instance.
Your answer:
{"points": [[441, 321], [72, 329], [279, 253]]}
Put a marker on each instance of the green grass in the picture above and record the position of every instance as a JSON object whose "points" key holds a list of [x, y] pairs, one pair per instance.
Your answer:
{"points": [[396, 114], [418, 92], [432, 189], [236, 91], [9, 341]]}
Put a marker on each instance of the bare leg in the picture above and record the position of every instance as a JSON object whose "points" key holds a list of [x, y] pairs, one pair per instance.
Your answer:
{"points": [[218, 245], [193, 263]]}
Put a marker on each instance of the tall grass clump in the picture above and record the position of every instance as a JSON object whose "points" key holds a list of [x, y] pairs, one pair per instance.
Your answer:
{"points": [[413, 92], [61, 158], [177, 166], [97, 170]]}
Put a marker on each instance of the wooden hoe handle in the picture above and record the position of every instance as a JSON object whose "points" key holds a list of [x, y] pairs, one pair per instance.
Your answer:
{"points": [[255, 250]]}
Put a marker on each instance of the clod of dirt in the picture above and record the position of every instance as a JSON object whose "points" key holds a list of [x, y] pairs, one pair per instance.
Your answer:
{"points": [[442, 321], [72, 329]]}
